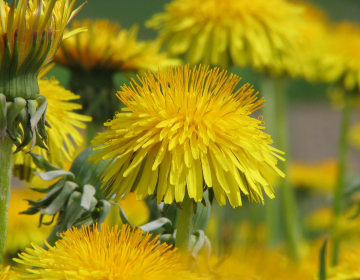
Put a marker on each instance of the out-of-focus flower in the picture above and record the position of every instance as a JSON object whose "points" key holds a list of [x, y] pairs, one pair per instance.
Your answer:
{"points": [[106, 254], [22, 230], [257, 263], [105, 46], [314, 27], [340, 56], [261, 33], [348, 267], [64, 135], [31, 34], [94, 56], [319, 176], [181, 128]]}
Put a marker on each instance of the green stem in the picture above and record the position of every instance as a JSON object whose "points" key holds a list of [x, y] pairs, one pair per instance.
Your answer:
{"points": [[338, 205], [272, 214], [184, 227], [5, 177], [277, 121]]}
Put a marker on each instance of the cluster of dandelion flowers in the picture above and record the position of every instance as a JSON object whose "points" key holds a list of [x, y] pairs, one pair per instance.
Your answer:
{"points": [[108, 47], [31, 34], [182, 127], [106, 254], [64, 135], [262, 33]]}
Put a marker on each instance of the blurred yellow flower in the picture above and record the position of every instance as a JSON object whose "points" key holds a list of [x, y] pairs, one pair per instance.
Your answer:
{"points": [[348, 267], [106, 46], [22, 230], [181, 128], [106, 254], [262, 33], [340, 56], [313, 29], [251, 262], [64, 135], [319, 176]]}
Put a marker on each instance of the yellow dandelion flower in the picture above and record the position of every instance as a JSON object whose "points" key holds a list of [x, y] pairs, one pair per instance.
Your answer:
{"points": [[183, 127], [64, 135], [106, 254], [22, 230], [6, 273], [340, 56], [223, 32], [106, 46]]}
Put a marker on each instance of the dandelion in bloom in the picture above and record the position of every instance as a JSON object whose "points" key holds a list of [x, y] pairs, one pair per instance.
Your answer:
{"points": [[262, 33], [106, 254], [94, 56], [184, 127], [6, 273]]}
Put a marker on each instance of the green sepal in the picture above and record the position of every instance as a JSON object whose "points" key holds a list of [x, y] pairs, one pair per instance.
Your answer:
{"points": [[48, 189], [123, 216], [5, 68], [105, 208], [31, 211], [88, 193], [51, 175], [202, 216], [28, 135], [168, 238], [47, 223], [60, 199], [14, 68], [49, 197], [42, 102], [42, 163], [197, 243], [157, 224], [13, 110], [3, 120]]}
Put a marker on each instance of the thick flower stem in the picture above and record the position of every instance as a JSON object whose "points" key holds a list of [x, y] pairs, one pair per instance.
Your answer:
{"points": [[184, 228], [338, 204], [278, 121], [5, 177]]}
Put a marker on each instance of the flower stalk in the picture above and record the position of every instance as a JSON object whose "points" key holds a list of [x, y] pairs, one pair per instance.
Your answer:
{"points": [[338, 203], [5, 177], [184, 227], [276, 117]]}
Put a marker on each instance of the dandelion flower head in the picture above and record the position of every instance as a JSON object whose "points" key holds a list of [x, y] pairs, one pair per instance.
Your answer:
{"points": [[6, 273], [106, 254], [184, 127], [107, 46], [262, 33]]}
